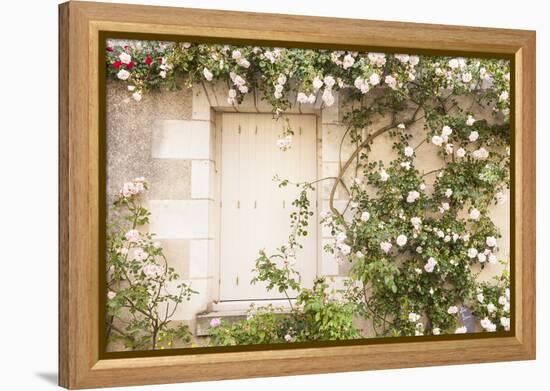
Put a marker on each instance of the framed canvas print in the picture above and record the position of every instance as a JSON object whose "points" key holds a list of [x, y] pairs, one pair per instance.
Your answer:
{"points": [[248, 195]]}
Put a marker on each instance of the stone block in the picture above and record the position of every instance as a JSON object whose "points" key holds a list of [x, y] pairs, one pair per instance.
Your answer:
{"points": [[181, 139], [201, 172], [198, 259], [179, 219], [201, 104]]}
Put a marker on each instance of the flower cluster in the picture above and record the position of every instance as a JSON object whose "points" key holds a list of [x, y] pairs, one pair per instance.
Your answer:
{"points": [[315, 74], [139, 279]]}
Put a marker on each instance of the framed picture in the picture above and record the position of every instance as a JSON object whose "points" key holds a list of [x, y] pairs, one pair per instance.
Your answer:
{"points": [[247, 195]]}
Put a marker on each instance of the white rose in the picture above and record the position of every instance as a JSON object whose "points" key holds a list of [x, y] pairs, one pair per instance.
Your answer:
{"points": [[446, 131], [344, 249], [401, 240], [348, 61], [466, 77], [480, 153], [416, 221], [505, 322], [301, 98], [491, 308], [125, 58], [412, 196], [123, 74], [236, 54], [460, 152], [281, 79], [480, 297], [481, 257], [453, 64], [472, 252], [374, 79], [413, 317], [385, 246], [402, 57], [473, 136], [243, 62], [430, 265], [329, 81], [391, 82], [470, 120], [437, 140], [448, 193], [207, 74], [414, 60], [409, 151], [239, 81], [488, 325], [475, 214], [365, 216], [137, 96], [452, 310], [503, 96], [384, 175], [461, 330], [491, 241], [132, 236], [436, 331]]}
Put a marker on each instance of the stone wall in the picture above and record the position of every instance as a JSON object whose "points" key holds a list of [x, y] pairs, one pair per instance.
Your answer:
{"points": [[170, 138], [167, 140]]}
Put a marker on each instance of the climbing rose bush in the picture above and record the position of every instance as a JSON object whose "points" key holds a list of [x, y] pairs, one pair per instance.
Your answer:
{"points": [[413, 240], [143, 291]]}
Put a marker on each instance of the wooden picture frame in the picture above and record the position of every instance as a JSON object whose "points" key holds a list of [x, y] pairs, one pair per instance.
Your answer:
{"points": [[80, 26]]}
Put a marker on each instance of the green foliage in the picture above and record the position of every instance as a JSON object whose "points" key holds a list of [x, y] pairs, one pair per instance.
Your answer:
{"points": [[492, 303], [142, 290], [414, 240], [317, 314]]}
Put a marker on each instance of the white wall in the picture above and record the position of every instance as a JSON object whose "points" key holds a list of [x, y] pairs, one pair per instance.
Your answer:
{"points": [[29, 183]]}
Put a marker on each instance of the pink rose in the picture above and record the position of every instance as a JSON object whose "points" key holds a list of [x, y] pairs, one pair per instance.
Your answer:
{"points": [[215, 322]]}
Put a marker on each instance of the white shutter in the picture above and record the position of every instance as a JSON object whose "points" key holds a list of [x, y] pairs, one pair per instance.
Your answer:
{"points": [[255, 212]]}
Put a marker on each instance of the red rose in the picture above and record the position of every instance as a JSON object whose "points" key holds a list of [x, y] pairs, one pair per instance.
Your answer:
{"points": [[117, 64], [125, 47], [130, 65], [148, 60], [109, 49]]}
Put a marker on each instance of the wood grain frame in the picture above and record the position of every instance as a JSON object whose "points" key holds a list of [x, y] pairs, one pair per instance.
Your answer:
{"points": [[80, 24]]}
